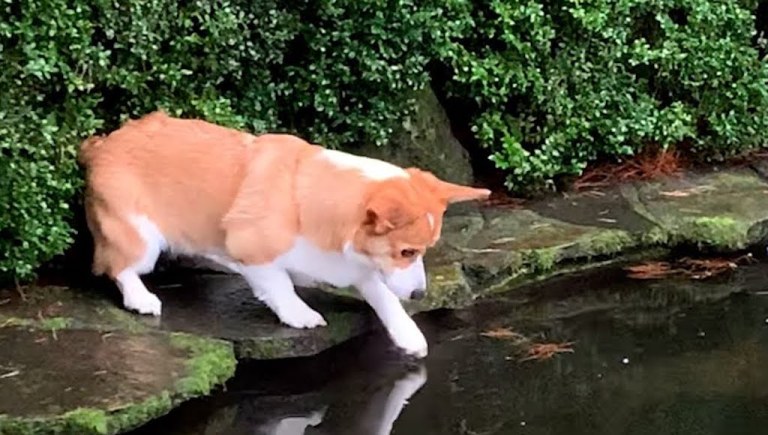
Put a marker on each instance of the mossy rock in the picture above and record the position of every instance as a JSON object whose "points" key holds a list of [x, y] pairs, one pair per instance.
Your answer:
{"points": [[448, 288], [61, 307], [84, 381], [723, 211], [425, 140], [496, 247]]}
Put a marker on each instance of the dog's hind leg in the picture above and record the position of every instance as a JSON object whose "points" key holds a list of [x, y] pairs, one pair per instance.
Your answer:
{"points": [[126, 247], [136, 297]]}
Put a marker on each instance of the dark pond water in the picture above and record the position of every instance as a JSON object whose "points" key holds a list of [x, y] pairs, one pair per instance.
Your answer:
{"points": [[650, 357]]}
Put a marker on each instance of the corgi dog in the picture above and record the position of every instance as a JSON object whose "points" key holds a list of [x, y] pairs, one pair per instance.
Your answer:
{"points": [[273, 208]]}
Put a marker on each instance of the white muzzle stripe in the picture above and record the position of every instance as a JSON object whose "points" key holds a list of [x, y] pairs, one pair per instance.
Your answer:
{"points": [[403, 282]]}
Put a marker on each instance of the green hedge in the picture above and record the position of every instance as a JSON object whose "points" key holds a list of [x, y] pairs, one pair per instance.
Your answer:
{"points": [[550, 86], [558, 84], [334, 71]]}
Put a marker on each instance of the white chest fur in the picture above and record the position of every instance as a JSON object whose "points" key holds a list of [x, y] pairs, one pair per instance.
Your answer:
{"points": [[308, 264]]}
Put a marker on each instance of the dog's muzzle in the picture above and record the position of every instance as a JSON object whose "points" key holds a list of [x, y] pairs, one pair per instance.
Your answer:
{"points": [[418, 294], [408, 283]]}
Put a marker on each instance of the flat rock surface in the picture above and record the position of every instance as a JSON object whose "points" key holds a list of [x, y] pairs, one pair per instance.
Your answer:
{"points": [[223, 306], [71, 369], [87, 381], [604, 208], [725, 209], [495, 247], [210, 305]]}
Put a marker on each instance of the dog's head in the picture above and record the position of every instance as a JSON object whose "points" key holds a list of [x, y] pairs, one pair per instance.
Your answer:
{"points": [[403, 217]]}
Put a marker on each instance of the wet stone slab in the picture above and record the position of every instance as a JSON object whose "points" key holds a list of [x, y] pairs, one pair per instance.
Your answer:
{"points": [[82, 368], [722, 210], [86, 381], [496, 246], [210, 305], [82, 364], [223, 306], [605, 208]]}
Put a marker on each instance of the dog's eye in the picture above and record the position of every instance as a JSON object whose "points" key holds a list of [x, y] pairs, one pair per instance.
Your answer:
{"points": [[408, 253]]}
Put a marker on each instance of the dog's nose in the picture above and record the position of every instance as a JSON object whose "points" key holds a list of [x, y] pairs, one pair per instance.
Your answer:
{"points": [[418, 294]]}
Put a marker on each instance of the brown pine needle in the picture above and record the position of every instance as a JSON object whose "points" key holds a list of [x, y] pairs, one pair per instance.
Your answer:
{"points": [[687, 267], [649, 164], [651, 270], [545, 351]]}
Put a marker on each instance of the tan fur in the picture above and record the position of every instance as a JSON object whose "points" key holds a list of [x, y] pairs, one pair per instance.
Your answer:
{"points": [[214, 189]]}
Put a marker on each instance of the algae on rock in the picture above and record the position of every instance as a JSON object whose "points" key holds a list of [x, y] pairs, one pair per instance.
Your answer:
{"points": [[718, 210], [720, 232], [448, 288]]}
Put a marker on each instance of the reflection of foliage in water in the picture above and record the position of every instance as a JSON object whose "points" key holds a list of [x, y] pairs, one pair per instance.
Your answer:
{"points": [[684, 360]]}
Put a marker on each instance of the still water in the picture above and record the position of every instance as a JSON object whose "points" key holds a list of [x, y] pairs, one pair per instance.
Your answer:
{"points": [[650, 357]]}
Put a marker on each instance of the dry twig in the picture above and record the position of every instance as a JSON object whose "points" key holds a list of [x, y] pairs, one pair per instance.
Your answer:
{"points": [[503, 334]]}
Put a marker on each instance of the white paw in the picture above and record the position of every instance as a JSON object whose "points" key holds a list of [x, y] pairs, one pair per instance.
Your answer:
{"points": [[411, 341], [301, 317], [143, 303]]}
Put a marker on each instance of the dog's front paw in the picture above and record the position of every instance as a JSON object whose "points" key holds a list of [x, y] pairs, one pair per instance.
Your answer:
{"points": [[143, 303], [302, 317], [411, 341]]}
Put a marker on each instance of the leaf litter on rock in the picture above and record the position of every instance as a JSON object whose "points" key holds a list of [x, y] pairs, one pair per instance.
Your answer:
{"points": [[687, 267], [649, 164]]}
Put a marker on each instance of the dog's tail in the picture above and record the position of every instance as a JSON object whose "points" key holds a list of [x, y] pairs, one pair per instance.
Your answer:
{"points": [[87, 149]]}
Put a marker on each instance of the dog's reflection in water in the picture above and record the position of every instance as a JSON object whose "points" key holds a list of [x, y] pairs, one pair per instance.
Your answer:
{"points": [[292, 424], [373, 413]]}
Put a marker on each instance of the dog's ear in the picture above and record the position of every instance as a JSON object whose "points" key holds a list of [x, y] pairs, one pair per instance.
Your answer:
{"points": [[386, 210], [444, 191]]}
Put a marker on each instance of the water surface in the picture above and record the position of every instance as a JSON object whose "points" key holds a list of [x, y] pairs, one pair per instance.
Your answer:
{"points": [[650, 357]]}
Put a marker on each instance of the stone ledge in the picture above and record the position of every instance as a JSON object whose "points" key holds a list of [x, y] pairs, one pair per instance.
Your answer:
{"points": [[217, 306], [61, 341], [721, 212], [88, 382]]}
